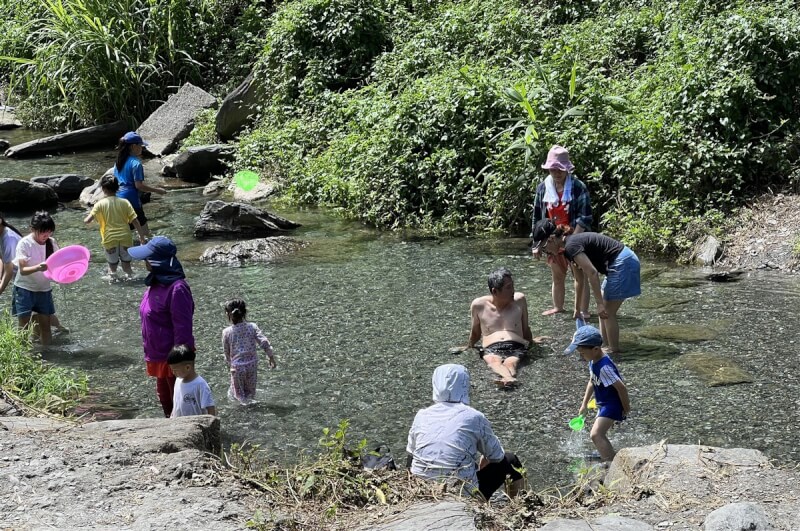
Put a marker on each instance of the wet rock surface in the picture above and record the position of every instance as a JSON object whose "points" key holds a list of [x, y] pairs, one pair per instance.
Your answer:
{"points": [[715, 369], [251, 251], [219, 218], [105, 135], [17, 195], [68, 187], [174, 120], [683, 333], [134, 474]]}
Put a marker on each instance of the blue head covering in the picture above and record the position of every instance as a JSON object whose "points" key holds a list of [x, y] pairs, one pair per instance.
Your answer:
{"points": [[160, 254]]}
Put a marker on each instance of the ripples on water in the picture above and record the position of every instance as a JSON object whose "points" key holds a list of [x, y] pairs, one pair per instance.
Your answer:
{"points": [[360, 319]]}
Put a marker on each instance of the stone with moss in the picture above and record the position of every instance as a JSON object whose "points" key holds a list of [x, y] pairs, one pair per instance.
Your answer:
{"points": [[680, 333], [715, 369]]}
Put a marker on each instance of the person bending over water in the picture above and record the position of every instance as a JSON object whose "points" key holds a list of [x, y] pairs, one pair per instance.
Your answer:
{"points": [[596, 254], [501, 319]]}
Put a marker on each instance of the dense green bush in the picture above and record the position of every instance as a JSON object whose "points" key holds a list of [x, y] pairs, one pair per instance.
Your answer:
{"points": [[436, 115], [81, 62], [318, 45]]}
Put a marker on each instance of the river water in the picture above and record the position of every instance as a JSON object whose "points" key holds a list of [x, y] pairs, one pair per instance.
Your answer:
{"points": [[359, 319]]}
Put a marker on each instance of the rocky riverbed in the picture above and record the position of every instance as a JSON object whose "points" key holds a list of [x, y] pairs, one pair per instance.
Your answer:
{"points": [[765, 235], [165, 473]]}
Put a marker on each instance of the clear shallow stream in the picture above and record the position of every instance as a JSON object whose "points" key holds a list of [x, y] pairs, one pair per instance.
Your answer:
{"points": [[359, 320]]}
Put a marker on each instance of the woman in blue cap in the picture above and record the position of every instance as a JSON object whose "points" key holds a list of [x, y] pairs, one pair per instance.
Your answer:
{"points": [[130, 174], [166, 311]]}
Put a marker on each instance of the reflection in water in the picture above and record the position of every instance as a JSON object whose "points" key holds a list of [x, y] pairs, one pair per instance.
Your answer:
{"points": [[360, 319]]}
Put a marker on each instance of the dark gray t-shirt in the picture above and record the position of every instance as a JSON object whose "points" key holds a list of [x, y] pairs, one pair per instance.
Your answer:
{"points": [[599, 248]]}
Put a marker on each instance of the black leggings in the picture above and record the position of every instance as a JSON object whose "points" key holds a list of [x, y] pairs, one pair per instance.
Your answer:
{"points": [[493, 475]]}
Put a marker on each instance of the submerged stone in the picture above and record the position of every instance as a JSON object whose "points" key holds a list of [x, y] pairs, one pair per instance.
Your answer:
{"points": [[649, 273], [679, 283], [680, 333], [251, 251], [714, 369], [634, 349], [658, 302]]}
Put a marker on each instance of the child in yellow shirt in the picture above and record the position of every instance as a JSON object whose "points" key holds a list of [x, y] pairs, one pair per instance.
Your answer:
{"points": [[115, 216]]}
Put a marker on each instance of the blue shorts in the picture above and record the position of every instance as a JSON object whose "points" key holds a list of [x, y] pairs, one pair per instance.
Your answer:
{"points": [[611, 411], [24, 302], [623, 280]]}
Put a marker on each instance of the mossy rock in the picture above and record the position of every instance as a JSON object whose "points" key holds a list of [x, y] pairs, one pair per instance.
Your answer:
{"points": [[633, 349], [680, 333], [715, 369], [629, 321], [649, 273], [680, 283], [658, 302]]}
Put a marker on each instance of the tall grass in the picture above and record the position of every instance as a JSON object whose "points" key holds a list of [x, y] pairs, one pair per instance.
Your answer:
{"points": [[26, 376], [92, 61]]}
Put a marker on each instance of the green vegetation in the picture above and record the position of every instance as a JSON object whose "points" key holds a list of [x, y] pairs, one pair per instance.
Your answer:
{"points": [[79, 62], [33, 381], [437, 115], [796, 247], [316, 489], [333, 490]]}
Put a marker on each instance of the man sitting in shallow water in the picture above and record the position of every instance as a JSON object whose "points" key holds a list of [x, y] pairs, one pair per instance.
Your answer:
{"points": [[501, 318]]}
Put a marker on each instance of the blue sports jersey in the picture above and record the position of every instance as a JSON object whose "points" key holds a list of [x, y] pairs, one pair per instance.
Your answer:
{"points": [[603, 374], [131, 172]]}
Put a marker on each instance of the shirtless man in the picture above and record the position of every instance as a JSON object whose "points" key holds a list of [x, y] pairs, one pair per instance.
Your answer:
{"points": [[502, 320]]}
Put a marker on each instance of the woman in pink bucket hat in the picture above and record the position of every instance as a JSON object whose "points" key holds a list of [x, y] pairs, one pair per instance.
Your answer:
{"points": [[563, 199]]}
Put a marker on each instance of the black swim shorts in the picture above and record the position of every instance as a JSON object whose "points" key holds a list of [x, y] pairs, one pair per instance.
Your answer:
{"points": [[506, 349]]}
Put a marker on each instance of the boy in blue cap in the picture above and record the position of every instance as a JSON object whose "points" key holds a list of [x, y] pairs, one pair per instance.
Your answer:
{"points": [[605, 383]]}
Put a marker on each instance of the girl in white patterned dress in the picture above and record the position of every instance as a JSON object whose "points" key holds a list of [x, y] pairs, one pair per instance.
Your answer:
{"points": [[240, 342]]}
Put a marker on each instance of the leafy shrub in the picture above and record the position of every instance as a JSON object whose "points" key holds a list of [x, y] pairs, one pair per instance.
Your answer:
{"points": [[317, 45], [81, 62]]}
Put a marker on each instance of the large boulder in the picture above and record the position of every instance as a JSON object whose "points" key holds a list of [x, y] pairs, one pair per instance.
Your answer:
{"points": [[174, 120], [735, 516], [429, 516], [68, 187], [197, 164], [219, 218], [707, 251], [17, 195], [237, 109], [91, 194], [98, 136], [251, 251], [8, 120], [4, 145]]}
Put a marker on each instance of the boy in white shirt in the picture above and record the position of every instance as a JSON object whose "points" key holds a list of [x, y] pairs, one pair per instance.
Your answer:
{"points": [[192, 394]]}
